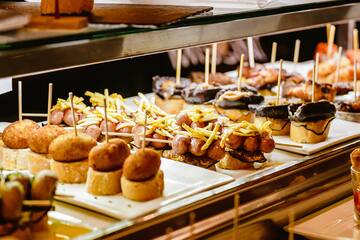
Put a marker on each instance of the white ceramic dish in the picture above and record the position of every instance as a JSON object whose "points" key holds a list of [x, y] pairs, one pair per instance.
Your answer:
{"points": [[181, 180], [340, 131]]}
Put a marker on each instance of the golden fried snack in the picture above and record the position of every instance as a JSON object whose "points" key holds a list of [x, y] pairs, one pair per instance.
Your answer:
{"points": [[109, 156], [142, 165], [17, 133], [41, 138], [68, 147], [44, 185]]}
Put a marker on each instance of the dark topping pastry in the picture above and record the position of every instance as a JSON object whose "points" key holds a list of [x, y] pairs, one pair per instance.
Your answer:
{"points": [[199, 93], [315, 111], [166, 87], [352, 107], [270, 111], [237, 100]]}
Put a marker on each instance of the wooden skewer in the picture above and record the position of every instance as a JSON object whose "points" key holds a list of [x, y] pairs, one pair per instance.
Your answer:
{"points": [[178, 67], [316, 73], [338, 62], [37, 203], [240, 72], [356, 39], [355, 80], [34, 114], [50, 92], [207, 63], [106, 94], [20, 100], [106, 121], [297, 51], [273, 52], [145, 124], [71, 96], [278, 83], [213, 58], [117, 134], [236, 216], [331, 40], [251, 52]]}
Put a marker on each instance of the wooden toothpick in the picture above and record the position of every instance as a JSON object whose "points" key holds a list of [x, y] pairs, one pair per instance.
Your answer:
{"points": [[178, 67], [356, 39], [20, 99], [145, 124], [291, 224], [236, 216], [316, 73], [106, 121], [279, 83], [240, 72], [213, 58], [328, 25], [331, 40], [355, 80], [273, 52], [207, 63], [71, 96], [297, 51], [251, 52], [50, 92], [338, 62]]}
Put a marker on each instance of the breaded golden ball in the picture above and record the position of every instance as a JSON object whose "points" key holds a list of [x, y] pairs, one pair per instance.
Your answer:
{"points": [[109, 156], [68, 147], [142, 165], [41, 138], [16, 135]]}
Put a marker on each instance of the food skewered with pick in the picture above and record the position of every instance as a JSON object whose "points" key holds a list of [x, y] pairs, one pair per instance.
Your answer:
{"points": [[235, 104], [105, 167], [303, 91], [264, 80], [142, 179], [15, 138], [39, 141], [245, 144], [18, 216], [310, 122], [70, 157], [278, 115], [215, 79], [168, 93], [199, 95], [61, 112]]}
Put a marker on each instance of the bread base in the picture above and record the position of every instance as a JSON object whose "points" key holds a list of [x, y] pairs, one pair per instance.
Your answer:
{"points": [[14, 159], [279, 127], [103, 183], [230, 163], [300, 134], [38, 162], [70, 172], [188, 106], [145, 190], [171, 105], [236, 115]]}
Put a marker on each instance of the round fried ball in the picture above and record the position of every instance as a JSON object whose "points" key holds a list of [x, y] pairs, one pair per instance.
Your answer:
{"points": [[41, 138], [142, 165], [68, 147], [109, 156], [16, 135]]}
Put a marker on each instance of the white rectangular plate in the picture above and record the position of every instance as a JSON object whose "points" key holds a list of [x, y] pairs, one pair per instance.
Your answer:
{"points": [[181, 180], [340, 131]]}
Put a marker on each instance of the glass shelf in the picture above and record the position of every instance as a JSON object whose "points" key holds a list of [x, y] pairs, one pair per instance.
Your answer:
{"points": [[26, 52]]}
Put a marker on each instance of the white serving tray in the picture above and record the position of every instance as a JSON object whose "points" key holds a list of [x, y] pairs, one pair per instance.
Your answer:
{"points": [[340, 131], [181, 180]]}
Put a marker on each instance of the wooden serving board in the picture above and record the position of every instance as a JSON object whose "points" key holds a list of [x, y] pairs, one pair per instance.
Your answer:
{"points": [[131, 14]]}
